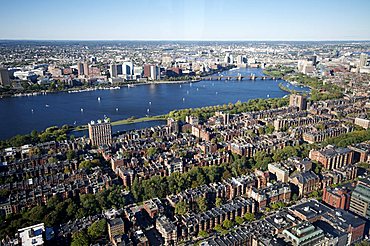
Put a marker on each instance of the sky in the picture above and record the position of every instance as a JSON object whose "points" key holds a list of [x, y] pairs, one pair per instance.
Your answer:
{"points": [[185, 19]]}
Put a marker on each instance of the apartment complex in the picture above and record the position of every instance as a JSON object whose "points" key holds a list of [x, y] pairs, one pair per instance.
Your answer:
{"points": [[100, 132]]}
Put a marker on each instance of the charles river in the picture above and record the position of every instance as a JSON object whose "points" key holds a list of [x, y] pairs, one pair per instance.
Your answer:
{"points": [[21, 115]]}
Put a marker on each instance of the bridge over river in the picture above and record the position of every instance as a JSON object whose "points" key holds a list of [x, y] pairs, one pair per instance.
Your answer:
{"points": [[240, 77]]}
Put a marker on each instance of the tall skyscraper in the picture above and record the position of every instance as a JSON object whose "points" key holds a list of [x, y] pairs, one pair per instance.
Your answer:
{"points": [[86, 68], [241, 59], [113, 70], [298, 101], [4, 77], [147, 70], [155, 73], [100, 132], [128, 69], [80, 68], [363, 59], [152, 72]]}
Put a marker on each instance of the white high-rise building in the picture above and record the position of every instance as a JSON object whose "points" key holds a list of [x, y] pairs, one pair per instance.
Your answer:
{"points": [[240, 59], [128, 68], [155, 73]]}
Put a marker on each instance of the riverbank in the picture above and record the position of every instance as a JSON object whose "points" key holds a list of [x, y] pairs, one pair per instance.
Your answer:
{"points": [[44, 90], [94, 88]]}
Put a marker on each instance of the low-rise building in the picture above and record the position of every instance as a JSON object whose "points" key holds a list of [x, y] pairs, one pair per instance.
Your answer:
{"points": [[337, 197], [115, 227], [360, 199], [332, 157], [304, 234], [32, 235], [167, 229], [364, 123], [306, 182]]}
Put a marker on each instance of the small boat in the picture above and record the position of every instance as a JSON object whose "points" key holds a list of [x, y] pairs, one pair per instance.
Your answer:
{"points": [[183, 99], [116, 109], [180, 86], [32, 110], [197, 89], [81, 109], [148, 110], [99, 99], [216, 93], [150, 103], [268, 95], [47, 105], [74, 123]]}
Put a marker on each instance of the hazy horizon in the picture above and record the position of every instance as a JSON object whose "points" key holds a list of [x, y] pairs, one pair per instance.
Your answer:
{"points": [[189, 40], [182, 20]]}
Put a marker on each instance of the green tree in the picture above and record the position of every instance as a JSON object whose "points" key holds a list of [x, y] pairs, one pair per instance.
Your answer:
{"points": [[227, 224], [269, 129], [181, 208], [203, 234], [314, 193], [218, 228], [52, 160], [37, 213], [262, 160], [53, 202], [249, 217], [72, 209], [52, 218], [218, 202], [80, 239], [81, 213], [137, 190], [202, 204], [71, 154], [239, 220], [90, 204], [151, 152], [116, 198], [97, 229]]}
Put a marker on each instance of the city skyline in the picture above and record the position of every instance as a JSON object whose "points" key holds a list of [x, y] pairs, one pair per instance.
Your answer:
{"points": [[186, 20]]}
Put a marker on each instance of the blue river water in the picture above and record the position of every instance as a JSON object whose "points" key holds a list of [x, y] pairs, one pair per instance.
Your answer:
{"points": [[21, 115]]}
